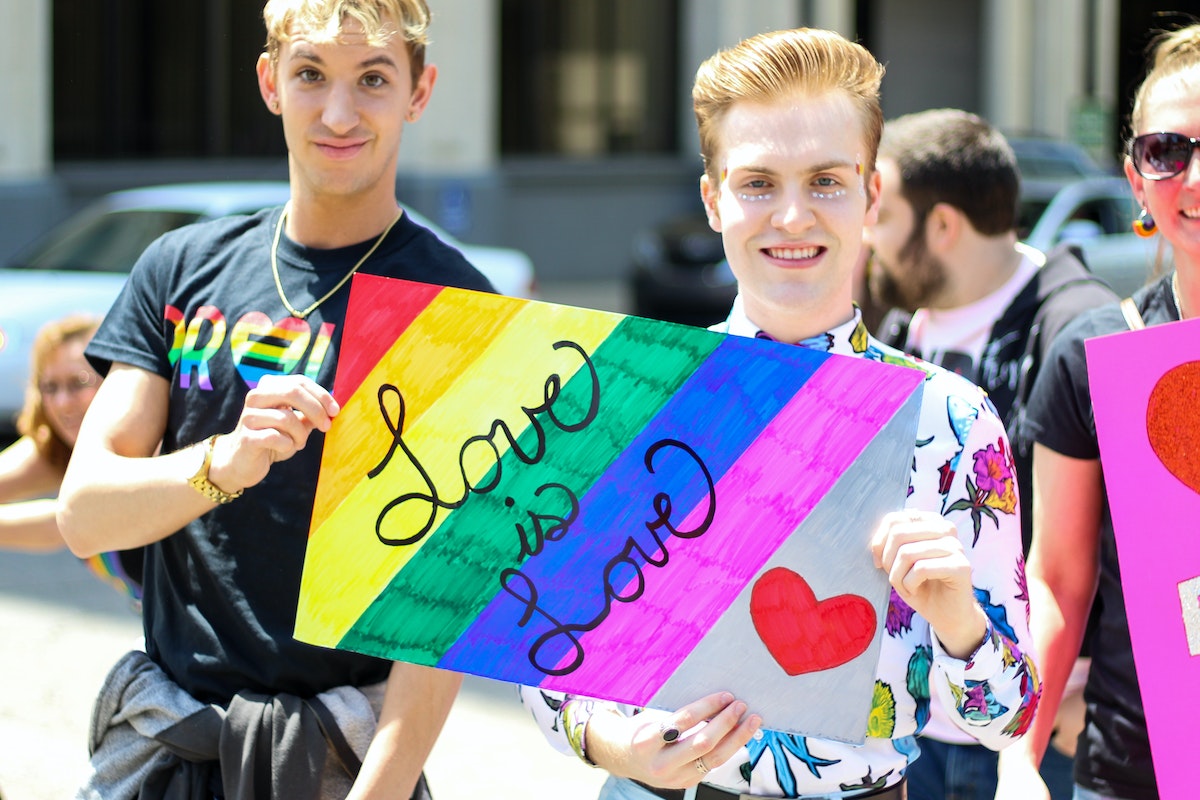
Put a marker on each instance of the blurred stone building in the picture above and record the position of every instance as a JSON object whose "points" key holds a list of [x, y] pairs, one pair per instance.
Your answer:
{"points": [[561, 127]]}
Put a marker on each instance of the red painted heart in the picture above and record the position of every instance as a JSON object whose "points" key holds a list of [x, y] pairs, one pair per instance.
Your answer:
{"points": [[804, 635], [1173, 424]]}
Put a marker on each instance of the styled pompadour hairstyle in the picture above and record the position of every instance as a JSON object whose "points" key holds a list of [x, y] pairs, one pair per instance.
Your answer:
{"points": [[803, 61]]}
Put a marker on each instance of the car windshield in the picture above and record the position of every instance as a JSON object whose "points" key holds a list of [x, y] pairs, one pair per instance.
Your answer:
{"points": [[1029, 212], [1045, 166], [109, 242]]}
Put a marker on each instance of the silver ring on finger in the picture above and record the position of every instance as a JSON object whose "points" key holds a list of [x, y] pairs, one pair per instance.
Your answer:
{"points": [[700, 765]]}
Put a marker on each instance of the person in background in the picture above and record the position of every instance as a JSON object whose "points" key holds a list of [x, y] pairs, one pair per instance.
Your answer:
{"points": [[1073, 558], [221, 347], [61, 387], [971, 298], [789, 127], [873, 310]]}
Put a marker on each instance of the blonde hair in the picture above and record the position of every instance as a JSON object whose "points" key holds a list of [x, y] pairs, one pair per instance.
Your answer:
{"points": [[801, 61], [324, 20], [1172, 53], [33, 421]]}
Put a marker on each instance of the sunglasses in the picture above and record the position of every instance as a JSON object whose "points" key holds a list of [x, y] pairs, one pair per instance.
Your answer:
{"points": [[1158, 156]]}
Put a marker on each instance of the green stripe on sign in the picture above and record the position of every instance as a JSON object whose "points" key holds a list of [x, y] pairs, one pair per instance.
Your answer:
{"points": [[454, 576]]}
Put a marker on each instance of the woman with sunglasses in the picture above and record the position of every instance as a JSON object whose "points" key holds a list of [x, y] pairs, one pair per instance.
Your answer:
{"points": [[1073, 557], [61, 387]]}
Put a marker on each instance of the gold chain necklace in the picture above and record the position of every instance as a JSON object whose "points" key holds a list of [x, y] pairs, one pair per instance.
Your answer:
{"points": [[340, 284]]}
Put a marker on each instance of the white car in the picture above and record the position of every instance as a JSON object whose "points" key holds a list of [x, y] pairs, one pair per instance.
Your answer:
{"points": [[81, 264]]}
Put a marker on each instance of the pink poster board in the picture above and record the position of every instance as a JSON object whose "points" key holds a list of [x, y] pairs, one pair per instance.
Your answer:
{"points": [[1146, 392]]}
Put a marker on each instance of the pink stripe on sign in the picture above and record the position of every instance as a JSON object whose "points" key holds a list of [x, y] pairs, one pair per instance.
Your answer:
{"points": [[825, 425]]}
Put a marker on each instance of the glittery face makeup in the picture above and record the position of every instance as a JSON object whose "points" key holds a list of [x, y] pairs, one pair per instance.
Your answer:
{"points": [[831, 195], [753, 191], [862, 179], [757, 190], [751, 197]]}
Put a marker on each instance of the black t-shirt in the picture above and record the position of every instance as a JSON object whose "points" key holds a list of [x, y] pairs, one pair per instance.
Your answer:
{"points": [[201, 310], [1114, 753]]}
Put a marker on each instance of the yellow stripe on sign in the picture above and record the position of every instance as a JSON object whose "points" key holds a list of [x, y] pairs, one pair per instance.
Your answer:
{"points": [[347, 566], [453, 331]]}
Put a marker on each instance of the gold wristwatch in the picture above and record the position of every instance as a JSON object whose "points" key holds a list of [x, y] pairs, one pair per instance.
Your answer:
{"points": [[203, 485]]}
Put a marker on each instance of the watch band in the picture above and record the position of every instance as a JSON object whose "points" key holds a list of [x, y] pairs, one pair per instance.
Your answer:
{"points": [[203, 485]]}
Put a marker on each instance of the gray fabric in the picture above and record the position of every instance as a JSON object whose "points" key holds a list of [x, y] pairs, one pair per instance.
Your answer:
{"points": [[151, 740]]}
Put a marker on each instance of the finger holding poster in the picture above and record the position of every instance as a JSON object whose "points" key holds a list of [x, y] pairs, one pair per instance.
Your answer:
{"points": [[1146, 391], [539, 500]]}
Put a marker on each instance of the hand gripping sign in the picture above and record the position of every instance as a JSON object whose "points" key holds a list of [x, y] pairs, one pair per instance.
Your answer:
{"points": [[607, 505]]}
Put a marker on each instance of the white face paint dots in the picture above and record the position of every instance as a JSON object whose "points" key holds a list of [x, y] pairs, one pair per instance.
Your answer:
{"points": [[828, 188], [825, 187], [754, 194], [831, 195]]}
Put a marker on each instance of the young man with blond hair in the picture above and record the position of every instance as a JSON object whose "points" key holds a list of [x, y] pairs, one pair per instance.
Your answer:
{"points": [[789, 127], [221, 347]]}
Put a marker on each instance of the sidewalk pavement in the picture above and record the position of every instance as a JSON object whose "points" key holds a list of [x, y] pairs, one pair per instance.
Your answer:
{"points": [[61, 630]]}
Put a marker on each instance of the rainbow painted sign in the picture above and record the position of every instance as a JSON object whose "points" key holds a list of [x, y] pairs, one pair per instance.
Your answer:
{"points": [[607, 505], [1146, 393]]}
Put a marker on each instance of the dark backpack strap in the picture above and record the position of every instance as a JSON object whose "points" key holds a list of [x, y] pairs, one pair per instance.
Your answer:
{"points": [[893, 328], [1030, 359], [333, 734]]}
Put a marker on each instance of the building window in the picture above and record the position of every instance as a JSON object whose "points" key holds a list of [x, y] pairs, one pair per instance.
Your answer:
{"points": [[153, 79], [589, 78]]}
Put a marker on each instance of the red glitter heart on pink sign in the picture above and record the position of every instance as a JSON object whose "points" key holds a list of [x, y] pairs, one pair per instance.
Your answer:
{"points": [[1173, 422]]}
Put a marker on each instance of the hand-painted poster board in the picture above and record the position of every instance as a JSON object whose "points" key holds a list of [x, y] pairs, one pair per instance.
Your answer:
{"points": [[607, 505], [1146, 393]]}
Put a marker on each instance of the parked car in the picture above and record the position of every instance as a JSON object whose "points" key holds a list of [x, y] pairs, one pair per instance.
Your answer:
{"points": [[679, 273], [1097, 215], [1044, 158], [81, 264]]}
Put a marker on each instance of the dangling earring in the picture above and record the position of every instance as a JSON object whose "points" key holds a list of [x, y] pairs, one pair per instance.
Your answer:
{"points": [[1144, 226]]}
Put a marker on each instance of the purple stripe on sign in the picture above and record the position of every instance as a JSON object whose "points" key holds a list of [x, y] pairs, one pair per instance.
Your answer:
{"points": [[824, 427], [720, 411]]}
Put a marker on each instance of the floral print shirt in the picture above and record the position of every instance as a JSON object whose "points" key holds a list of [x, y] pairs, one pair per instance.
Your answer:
{"points": [[962, 468]]}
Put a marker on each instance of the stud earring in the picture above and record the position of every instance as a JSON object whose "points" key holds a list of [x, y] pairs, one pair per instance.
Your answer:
{"points": [[1144, 226]]}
